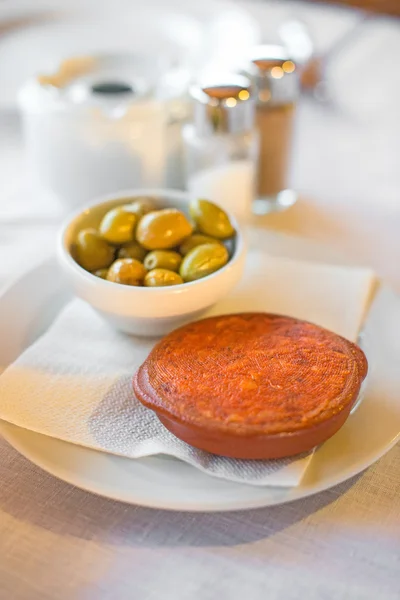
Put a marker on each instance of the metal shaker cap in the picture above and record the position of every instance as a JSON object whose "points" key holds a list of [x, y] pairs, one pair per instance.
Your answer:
{"points": [[274, 75], [223, 105]]}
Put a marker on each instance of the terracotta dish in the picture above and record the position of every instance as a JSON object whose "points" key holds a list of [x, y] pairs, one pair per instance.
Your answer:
{"points": [[253, 385]]}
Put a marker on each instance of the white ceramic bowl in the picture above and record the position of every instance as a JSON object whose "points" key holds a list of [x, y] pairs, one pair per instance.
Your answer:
{"points": [[140, 310]]}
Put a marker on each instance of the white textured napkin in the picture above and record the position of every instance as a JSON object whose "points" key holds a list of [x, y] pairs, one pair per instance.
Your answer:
{"points": [[74, 383]]}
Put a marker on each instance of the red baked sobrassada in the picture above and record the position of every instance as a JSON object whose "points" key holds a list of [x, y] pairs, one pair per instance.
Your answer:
{"points": [[252, 385]]}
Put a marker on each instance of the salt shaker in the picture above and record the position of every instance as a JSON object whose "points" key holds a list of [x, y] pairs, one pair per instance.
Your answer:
{"points": [[275, 81], [221, 144]]}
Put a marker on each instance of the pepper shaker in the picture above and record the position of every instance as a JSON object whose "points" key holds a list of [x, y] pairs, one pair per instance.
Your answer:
{"points": [[276, 85], [221, 145]]}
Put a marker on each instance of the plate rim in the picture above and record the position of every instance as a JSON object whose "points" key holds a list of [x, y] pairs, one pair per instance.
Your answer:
{"points": [[14, 439], [171, 506]]}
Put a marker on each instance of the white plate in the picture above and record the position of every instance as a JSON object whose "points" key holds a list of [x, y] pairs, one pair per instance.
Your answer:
{"points": [[58, 30], [30, 305]]}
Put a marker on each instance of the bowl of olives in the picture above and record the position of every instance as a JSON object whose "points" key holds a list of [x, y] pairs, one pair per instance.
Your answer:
{"points": [[149, 261]]}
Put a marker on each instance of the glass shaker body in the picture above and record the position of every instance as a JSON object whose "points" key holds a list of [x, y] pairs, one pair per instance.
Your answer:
{"points": [[275, 123], [222, 168]]}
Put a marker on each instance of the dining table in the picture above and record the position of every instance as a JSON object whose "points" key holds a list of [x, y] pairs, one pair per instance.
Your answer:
{"points": [[58, 542]]}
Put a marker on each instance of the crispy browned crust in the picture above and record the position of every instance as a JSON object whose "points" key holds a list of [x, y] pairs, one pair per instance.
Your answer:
{"points": [[251, 375]]}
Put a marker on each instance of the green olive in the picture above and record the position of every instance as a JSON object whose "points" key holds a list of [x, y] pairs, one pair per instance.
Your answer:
{"points": [[203, 260], [118, 225], [127, 271], [91, 251], [102, 273], [132, 250], [211, 219], [197, 239], [163, 229], [162, 277], [141, 206], [163, 259]]}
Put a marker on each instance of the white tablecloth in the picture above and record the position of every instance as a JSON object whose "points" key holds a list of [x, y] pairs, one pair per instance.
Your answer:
{"points": [[57, 542]]}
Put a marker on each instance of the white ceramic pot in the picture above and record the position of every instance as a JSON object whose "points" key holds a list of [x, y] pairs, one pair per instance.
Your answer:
{"points": [[83, 139]]}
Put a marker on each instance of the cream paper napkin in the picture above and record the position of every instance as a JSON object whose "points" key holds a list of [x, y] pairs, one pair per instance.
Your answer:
{"points": [[74, 383]]}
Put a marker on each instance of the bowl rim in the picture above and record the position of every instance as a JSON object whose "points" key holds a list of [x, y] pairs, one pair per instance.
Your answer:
{"points": [[168, 193]]}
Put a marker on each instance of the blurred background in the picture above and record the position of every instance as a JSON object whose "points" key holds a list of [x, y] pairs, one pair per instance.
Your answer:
{"points": [[345, 143]]}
